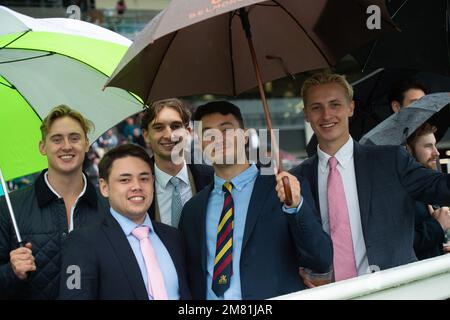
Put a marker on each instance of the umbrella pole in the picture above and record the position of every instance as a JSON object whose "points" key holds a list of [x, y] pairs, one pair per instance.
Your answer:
{"points": [[243, 14], [11, 211]]}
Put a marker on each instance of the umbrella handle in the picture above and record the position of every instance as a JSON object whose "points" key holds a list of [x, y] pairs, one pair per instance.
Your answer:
{"points": [[287, 191], [243, 14]]}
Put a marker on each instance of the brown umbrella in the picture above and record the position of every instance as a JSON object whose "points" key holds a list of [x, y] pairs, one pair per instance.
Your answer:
{"points": [[230, 46]]}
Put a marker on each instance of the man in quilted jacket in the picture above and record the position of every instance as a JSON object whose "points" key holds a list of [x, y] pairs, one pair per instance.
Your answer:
{"points": [[61, 199]]}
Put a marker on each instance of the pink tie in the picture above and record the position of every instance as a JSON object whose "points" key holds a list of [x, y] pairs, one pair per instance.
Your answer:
{"points": [[156, 288], [344, 262]]}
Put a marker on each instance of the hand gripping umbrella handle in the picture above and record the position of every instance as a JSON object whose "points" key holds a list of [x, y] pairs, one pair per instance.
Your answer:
{"points": [[11, 211], [287, 191]]}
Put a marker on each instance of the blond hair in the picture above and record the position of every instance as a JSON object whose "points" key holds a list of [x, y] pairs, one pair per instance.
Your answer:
{"points": [[326, 78], [62, 111]]}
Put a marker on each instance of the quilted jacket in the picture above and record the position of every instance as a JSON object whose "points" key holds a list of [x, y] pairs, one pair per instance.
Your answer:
{"points": [[42, 220]]}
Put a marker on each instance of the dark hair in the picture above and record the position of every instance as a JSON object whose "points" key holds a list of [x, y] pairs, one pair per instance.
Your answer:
{"points": [[424, 129], [223, 107], [151, 112], [397, 91], [122, 151]]}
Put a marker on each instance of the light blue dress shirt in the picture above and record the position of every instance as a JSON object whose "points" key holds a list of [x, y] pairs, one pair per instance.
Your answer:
{"points": [[165, 261], [242, 191]]}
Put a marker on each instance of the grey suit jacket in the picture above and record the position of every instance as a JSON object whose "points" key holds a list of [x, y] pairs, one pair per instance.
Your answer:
{"points": [[387, 178]]}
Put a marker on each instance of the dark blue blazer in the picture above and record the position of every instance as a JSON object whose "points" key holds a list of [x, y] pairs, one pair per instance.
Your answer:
{"points": [[274, 244], [429, 235], [387, 178], [202, 174], [109, 269]]}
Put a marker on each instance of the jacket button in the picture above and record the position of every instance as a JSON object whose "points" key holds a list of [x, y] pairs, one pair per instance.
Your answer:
{"points": [[64, 234]]}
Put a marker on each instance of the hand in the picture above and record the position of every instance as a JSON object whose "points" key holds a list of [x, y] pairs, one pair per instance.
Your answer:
{"points": [[446, 249], [295, 189], [22, 261], [442, 215], [304, 276]]}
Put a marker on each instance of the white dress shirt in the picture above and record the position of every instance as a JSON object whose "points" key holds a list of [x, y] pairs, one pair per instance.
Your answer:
{"points": [[346, 168], [164, 191]]}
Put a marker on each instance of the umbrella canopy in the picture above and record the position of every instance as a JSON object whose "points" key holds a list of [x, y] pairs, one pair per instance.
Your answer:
{"points": [[399, 126], [200, 46], [372, 91], [423, 43], [47, 62]]}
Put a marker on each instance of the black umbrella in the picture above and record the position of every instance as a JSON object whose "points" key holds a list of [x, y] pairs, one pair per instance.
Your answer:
{"points": [[423, 42], [372, 92]]}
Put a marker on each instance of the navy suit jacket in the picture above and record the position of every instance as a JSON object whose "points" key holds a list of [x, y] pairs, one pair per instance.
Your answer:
{"points": [[109, 269], [274, 244], [387, 178], [202, 174], [429, 235]]}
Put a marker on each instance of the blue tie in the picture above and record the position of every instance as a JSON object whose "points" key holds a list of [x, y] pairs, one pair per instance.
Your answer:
{"points": [[177, 205]]}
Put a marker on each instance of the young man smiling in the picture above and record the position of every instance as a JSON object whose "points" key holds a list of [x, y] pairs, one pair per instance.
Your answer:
{"points": [[127, 256], [165, 127], [242, 241], [62, 199], [363, 193]]}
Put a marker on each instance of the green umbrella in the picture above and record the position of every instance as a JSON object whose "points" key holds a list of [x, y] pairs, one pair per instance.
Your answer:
{"points": [[47, 62]]}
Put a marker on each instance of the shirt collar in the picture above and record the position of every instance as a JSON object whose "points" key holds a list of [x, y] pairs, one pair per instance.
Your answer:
{"points": [[240, 181], [57, 194], [128, 225], [45, 195], [343, 156], [162, 178]]}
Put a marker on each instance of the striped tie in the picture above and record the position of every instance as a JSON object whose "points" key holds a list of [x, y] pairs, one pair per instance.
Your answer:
{"points": [[223, 263]]}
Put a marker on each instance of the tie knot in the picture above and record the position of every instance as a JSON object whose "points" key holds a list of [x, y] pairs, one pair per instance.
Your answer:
{"points": [[141, 232], [332, 162], [175, 181], [227, 187]]}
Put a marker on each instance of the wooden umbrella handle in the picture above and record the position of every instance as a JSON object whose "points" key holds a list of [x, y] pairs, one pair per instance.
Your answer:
{"points": [[243, 14], [287, 191]]}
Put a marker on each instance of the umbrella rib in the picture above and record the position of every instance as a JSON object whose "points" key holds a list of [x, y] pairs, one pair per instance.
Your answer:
{"points": [[304, 30], [30, 58], [49, 53], [159, 67], [230, 40], [15, 39], [19, 93], [448, 35], [399, 8], [8, 85], [376, 41]]}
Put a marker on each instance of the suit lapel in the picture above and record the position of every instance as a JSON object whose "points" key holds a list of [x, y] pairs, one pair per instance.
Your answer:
{"points": [[201, 220], [363, 178], [260, 191], [125, 256], [192, 181], [310, 173]]}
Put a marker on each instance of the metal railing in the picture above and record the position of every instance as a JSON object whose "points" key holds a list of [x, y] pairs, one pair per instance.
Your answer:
{"points": [[426, 279]]}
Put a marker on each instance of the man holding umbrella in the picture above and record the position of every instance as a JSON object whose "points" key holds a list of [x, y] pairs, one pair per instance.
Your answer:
{"points": [[242, 242], [61, 199], [362, 192]]}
